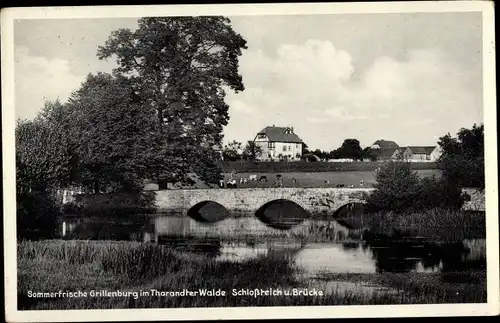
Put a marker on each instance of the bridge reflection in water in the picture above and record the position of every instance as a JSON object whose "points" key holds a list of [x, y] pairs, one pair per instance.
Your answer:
{"points": [[280, 230]]}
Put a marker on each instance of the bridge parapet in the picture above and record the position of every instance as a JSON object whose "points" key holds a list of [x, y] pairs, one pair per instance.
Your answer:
{"points": [[313, 200], [249, 200]]}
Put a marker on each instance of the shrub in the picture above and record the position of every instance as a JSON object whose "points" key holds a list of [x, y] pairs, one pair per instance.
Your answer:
{"points": [[396, 188], [439, 193], [462, 159], [113, 204], [400, 189]]}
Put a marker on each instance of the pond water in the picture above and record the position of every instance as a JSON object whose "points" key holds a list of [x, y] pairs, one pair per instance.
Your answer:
{"points": [[360, 257], [348, 256]]}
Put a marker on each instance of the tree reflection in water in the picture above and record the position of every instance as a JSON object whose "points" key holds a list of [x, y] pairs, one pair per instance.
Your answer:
{"points": [[406, 256]]}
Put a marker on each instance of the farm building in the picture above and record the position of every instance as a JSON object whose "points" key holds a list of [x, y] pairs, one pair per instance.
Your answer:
{"points": [[411, 153], [278, 143], [384, 144], [422, 153], [391, 153]]}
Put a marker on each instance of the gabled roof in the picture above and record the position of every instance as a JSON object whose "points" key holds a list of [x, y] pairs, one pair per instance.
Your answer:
{"points": [[385, 144], [422, 150], [387, 152], [280, 134]]}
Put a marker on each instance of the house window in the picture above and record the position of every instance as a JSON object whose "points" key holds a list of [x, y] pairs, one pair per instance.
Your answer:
{"points": [[270, 145], [284, 148]]}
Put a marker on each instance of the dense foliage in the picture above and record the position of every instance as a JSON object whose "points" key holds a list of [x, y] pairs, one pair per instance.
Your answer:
{"points": [[113, 136], [350, 149], [182, 68], [43, 154], [462, 159], [399, 189], [157, 117], [36, 215]]}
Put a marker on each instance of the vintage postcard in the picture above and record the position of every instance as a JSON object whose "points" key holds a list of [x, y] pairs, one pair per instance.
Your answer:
{"points": [[250, 161]]}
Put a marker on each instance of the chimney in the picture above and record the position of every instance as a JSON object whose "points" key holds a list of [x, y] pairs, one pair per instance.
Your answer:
{"points": [[273, 124]]}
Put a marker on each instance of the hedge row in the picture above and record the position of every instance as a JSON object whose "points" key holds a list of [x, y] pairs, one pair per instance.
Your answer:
{"points": [[303, 166]]}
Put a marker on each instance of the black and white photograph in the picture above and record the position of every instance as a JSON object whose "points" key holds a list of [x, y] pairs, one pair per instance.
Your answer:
{"points": [[250, 161]]}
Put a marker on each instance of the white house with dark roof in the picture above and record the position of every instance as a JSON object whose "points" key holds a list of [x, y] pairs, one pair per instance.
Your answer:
{"points": [[278, 143]]}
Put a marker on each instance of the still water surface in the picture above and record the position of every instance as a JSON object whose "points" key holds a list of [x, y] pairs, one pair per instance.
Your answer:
{"points": [[313, 258]]}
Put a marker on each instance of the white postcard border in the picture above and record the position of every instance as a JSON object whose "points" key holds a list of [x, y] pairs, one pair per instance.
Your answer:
{"points": [[492, 307]]}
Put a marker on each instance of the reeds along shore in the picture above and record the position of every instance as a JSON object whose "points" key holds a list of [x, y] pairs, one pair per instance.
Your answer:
{"points": [[435, 224]]}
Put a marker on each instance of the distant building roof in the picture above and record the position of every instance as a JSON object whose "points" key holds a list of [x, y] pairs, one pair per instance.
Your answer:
{"points": [[385, 144], [422, 150], [280, 134], [388, 152]]}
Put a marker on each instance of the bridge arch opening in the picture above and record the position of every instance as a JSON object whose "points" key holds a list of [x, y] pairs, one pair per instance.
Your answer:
{"points": [[281, 214], [208, 212], [351, 215]]}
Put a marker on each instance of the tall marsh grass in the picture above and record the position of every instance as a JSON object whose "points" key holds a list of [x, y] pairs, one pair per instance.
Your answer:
{"points": [[435, 224], [47, 266]]}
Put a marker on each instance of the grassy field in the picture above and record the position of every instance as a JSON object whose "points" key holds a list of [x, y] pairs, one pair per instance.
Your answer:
{"points": [[310, 179], [86, 266], [245, 166]]}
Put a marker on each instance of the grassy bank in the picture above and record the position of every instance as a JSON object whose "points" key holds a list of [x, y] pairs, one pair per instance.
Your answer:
{"points": [[51, 266], [245, 166], [435, 224], [455, 287]]}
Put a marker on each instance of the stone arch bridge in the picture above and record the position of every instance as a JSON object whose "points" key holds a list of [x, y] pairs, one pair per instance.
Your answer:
{"points": [[243, 205], [316, 201]]}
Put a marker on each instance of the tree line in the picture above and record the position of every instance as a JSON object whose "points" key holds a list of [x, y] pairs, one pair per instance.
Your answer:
{"points": [[157, 116], [351, 149]]}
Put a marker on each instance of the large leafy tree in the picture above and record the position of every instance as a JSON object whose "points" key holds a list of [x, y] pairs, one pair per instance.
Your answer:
{"points": [[44, 162], [371, 154], [113, 136], [462, 159], [182, 68], [350, 149], [44, 158]]}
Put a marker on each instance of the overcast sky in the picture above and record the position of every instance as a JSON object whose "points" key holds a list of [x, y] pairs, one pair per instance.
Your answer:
{"points": [[406, 77]]}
